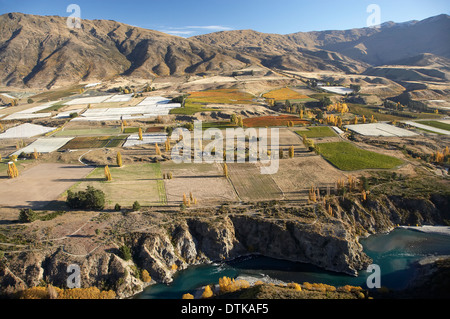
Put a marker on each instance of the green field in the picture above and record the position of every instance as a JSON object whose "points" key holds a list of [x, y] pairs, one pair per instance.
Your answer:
{"points": [[95, 142], [87, 132], [219, 125], [317, 132], [54, 108], [348, 157], [190, 109], [368, 111], [57, 94], [436, 124], [130, 183]]}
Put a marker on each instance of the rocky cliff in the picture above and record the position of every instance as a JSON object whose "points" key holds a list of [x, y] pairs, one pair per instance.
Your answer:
{"points": [[303, 234]]}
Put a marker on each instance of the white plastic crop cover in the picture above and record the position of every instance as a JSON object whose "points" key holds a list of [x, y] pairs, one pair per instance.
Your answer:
{"points": [[379, 129], [149, 107], [119, 98], [45, 145], [88, 100], [428, 128], [30, 113], [337, 89], [133, 140], [25, 131]]}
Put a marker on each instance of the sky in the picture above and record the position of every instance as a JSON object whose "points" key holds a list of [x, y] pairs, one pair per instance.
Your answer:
{"points": [[189, 18]]}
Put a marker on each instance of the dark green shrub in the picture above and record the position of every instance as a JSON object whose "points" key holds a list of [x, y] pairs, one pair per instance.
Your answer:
{"points": [[27, 215], [117, 208], [90, 199], [125, 252], [136, 206]]}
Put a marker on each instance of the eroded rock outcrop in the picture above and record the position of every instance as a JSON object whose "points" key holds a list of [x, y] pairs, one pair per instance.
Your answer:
{"points": [[329, 242]]}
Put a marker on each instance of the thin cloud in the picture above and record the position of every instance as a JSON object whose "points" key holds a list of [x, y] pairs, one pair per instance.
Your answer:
{"points": [[193, 29], [210, 27], [179, 33]]}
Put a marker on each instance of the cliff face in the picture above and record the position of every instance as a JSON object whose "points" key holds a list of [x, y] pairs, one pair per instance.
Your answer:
{"points": [[330, 242]]}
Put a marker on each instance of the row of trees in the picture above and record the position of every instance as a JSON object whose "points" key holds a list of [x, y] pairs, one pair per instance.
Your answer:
{"points": [[187, 202], [51, 292]]}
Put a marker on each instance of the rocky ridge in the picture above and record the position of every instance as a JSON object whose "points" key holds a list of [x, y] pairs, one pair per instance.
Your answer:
{"points": [[303, 234]]}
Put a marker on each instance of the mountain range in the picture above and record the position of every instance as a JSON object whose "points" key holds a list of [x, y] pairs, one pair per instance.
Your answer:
{"points": [[41, 51]]}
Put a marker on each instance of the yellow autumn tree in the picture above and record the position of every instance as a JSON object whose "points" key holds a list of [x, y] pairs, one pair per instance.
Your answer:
{"points": [[119, 159], [188, 296], [167, 145], [227, 284], [330, 210], [225, 170], [207, 293], [446, 151], [157, 149], [439, 157], [313, 194], [51, 292], [13, 172], [295, 286], [108, 176], [364, 195], [146, 276], [35, 154], [141, 138], [291, 151]]}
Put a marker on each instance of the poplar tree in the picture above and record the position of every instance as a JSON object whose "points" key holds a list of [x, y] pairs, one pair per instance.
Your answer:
{"points": [[107, 174], [141, 138], [13, 172], [158, 151], [291, 152], [119, 159], [225, 170]]}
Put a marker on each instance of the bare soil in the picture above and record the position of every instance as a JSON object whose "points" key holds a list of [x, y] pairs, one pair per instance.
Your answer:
{"points": [[39, 185]]}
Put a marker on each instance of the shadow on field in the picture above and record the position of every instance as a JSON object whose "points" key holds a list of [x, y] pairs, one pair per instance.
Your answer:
{"points": [[201, 176], [9, 222]]}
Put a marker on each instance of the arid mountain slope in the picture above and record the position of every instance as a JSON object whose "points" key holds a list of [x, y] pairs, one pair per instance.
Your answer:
{"points": [[375, 46], [41, 51]]}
